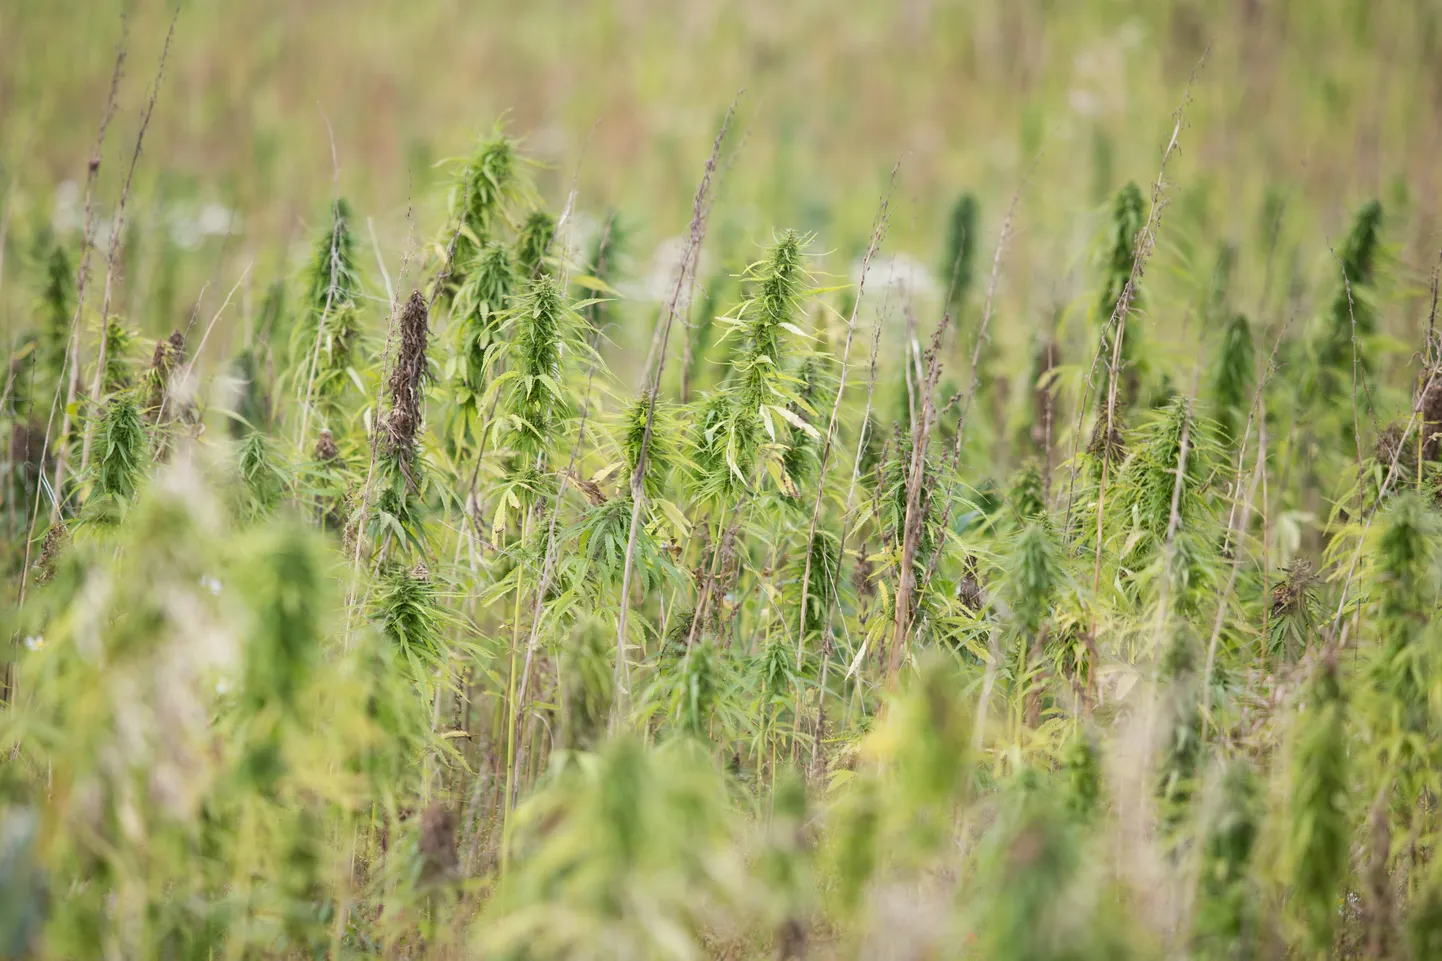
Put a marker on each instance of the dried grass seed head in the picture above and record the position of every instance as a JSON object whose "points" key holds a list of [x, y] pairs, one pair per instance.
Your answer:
{"points": [[408, 380]]}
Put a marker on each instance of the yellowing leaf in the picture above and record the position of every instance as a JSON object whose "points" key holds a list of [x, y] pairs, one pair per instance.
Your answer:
{"points": [[797, 422]]}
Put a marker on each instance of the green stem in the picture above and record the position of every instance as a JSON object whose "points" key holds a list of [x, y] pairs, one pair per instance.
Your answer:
{"points": [[513, 709]]}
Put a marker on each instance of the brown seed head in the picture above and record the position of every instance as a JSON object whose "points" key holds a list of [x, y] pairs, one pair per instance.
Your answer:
{"points": [[1112, 446], [55, 539], [407, 381], [1286, 595], [1431, 409], [861, 577], [325, 450]]}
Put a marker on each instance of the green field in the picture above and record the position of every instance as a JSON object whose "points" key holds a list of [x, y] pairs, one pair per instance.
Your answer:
{"points": [[898, 480]]}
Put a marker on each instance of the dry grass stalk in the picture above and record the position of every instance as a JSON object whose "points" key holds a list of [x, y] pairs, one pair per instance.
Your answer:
{"points": [[117, 233], [877, 232], [655, 364], [71, 363]]}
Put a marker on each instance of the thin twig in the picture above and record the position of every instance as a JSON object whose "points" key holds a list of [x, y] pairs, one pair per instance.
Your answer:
{"points": [[1174, 515], [381, 262], [652, 384], [117, 232], [549, 559], [330, 289], [914, 517], [878, 231], [200, 347], [1356, 363], [71, 361], [1141, 251], [1381, 497], [375, 438], [954, 456]]}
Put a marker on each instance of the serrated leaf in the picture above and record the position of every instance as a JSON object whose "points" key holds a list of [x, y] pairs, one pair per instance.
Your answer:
{"points": [[674, 515], [766, 422], [607, 471], [797, 422]]}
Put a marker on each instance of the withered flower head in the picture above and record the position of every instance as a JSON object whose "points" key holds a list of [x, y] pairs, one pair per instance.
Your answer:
{"points": [[325, 450], [407, 381]]}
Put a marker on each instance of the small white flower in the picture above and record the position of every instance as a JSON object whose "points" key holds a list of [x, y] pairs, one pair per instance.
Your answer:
{"points": [[210, 584], [34, 642]]}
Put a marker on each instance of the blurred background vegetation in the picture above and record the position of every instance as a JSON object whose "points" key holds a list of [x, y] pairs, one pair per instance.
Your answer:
{"points": [[1323, 103]]}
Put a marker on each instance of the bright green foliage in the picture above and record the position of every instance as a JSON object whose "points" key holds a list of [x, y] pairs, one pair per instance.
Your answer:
{"points": [[822, 589], [332, 286], [1293, 614], [767, 323], [892, 494], [1233, 373], [490, 183], [1026, 495], [587, 687], [122, 448], [1406, 582], [489, 188], [119, 371], [1318, 828], [1033, 575], [1119, 253], [698, 679], [1128, 214], [55, 310], [479, 308], [661, 449], [1349, 317], [533, 243], [1150, 475], [1181, 751], [324, 343], [957, 269], [286, 568], [405, 608], [803, 447], [1169, 548], [333, 659], [538, 328], [1082, 768], [1226, 915], [1359, 258], [1424, 923], [724, 443], [264, 479], [601, 535], [627, 846]]}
